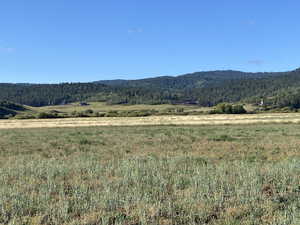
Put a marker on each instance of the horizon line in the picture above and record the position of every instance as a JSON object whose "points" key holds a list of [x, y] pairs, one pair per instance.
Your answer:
{"points": [[149, 77]]}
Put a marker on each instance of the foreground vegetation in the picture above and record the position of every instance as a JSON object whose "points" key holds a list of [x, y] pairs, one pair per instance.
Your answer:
{"points": [[151, 175]]}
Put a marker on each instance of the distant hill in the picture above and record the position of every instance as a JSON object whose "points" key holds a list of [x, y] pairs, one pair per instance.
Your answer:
{"points": [[278, 89], [213, 87], [191, 80]]}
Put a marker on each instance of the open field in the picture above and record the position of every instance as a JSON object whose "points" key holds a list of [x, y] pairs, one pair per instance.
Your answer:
{"points": [[235, 174], [154, 120], [100, 109], [103, 107]]}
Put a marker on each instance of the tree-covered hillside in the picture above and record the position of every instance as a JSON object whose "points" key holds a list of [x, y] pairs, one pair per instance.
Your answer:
{"points": [[276, 90], [203, 88], [50, 94], [210, 88], [10, 109], [192, 80]]}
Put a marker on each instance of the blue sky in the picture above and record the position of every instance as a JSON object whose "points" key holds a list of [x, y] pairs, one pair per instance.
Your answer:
{"points": [[66, 40]]}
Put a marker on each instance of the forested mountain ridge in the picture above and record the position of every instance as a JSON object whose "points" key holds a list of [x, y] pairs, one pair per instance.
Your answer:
{"points": [[191, 80], [204, 88], [279, 90]]}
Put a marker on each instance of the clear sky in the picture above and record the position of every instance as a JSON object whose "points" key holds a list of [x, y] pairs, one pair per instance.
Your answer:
{"points": [[74, 40]]}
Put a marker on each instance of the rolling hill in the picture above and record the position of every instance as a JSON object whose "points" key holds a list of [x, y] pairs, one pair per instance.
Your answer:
{"points": [[279, 89], [191, 80]]}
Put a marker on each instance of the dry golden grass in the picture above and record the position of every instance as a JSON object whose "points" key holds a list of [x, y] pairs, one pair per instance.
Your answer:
{"points": [[154, 120]]}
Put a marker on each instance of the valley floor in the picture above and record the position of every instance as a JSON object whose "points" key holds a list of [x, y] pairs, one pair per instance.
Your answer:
{"points": [[234, 174], [154, 120]]}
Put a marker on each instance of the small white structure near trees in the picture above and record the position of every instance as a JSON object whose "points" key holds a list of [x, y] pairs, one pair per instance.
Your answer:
{"points": [[261, 102]]}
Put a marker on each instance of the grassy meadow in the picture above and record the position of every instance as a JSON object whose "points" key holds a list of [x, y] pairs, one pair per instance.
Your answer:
{"points": [[166, 175], [103, 107]]}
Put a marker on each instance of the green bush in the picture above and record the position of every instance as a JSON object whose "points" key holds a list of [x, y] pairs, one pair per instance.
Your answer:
{"points": [[238, 109], [139, 113], [89, 111], [226, 108], [47, 115]]}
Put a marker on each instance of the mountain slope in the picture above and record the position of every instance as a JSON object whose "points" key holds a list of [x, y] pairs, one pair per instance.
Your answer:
{"points": [[192, 80], [50, 94], [8, 109], [203, 88], [210, 88], [275, 89]]}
